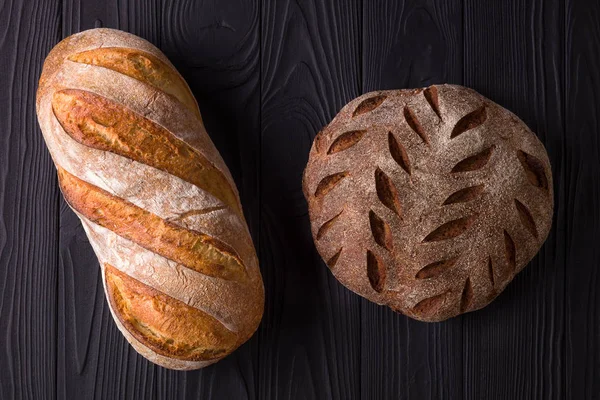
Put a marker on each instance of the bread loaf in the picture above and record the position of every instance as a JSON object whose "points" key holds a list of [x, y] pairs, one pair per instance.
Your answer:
{"points": [[154, 196], [429, 201]]}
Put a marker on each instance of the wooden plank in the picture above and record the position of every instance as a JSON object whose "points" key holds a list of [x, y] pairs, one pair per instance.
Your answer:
{"points": [[216, 47], [582, 225], [310, 336], [410, 44], [219, 60], [318, 340], [94, 360], [514, 55], [28, 207]]}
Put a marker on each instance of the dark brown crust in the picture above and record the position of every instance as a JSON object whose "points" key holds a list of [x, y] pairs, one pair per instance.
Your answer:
{"points": [[469, 121], [164, 324], [189, 248], [431, 198], [99, 123], [465, 194], [368, 105]]}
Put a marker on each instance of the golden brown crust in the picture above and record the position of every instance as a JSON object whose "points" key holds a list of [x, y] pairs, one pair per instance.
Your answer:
{"points": [[142, 66], [97, 122], [187, 247], [166, 325], [428, 200], [155, 198]]}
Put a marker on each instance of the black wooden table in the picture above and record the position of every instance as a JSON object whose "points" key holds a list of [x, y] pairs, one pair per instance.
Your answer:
{"points": [[268, 75]]}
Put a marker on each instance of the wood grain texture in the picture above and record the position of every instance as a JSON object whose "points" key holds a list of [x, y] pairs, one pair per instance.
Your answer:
{"points": [[513, 54], [410, 44], [582, 187], [221, 67], [28, 207], [215, 46], [311, 326], [269, 75]]}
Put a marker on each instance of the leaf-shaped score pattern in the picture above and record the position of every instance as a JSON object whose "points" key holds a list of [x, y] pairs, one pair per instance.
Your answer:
{"points": [[511, 252], [474, 162], [368, 105], [451, 229], [534, 169], [334, 259], [464, 195], [345, 141], [469, 121], [431, 95], [398, 153], [436, 268], [387, 192], [415, 125], [376, 271], [328, 183], [381, 231], [327, 225], [491, 271], [466, 297], [430, 305], [526, 218]]}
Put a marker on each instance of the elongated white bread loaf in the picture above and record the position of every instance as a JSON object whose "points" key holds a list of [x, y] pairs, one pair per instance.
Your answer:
{"points": [[156, 200]]}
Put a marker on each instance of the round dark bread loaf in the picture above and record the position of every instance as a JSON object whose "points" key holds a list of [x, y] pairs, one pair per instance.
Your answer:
{"points": [[429, 200]]}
